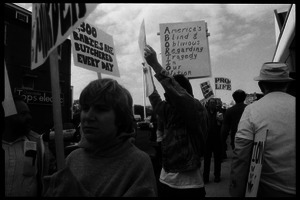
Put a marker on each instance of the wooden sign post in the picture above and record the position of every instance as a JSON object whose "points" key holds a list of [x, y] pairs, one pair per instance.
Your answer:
{"points": [[52, 23], [58, 127]]}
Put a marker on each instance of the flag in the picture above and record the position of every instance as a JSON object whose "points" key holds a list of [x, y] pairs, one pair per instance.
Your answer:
{"points": [[8, 103], [146, 68]]}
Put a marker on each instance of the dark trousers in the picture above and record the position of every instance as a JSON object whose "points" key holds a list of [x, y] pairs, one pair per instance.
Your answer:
{"points": [[217, 152], [166, 191]]}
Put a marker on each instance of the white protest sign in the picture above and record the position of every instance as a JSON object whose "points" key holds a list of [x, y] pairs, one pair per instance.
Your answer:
{"points": [[256, 164], [146, 68], [184, 48], [52, 23], [206, 89], [222, 83], [8, 103], [93, 49]]}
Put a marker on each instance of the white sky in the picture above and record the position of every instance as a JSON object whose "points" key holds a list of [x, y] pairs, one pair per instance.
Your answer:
{"points": [[242, 38]]}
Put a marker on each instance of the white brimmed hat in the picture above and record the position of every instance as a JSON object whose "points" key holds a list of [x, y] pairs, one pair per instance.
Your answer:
{"points": [[274, 72]]}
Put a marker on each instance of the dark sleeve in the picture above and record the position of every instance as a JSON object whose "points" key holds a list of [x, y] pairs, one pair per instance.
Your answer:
{"points": [[179, 97], [158, 104], [225, 126]]}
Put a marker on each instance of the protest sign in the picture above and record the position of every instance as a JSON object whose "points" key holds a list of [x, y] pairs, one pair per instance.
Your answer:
{"points": [[206, 89], [149, 85], [184, 48], [8, 103], [256, 164], [52, 23], [93, 49], [222, 83]]}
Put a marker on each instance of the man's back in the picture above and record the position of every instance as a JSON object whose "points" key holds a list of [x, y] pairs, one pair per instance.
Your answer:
{"points": [[276, 113]]}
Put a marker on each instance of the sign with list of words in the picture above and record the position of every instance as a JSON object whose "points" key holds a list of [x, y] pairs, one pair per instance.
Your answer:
{"points": [[184, 48]]}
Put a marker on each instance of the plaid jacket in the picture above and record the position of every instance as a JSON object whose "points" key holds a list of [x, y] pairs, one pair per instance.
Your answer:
{"points": [[185, 126]]}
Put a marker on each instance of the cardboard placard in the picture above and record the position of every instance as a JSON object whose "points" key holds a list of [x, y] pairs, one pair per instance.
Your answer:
{"points": [[52, 23], [93, 49], [222, 83], [256, 164], [206, 89], [184, 48]]}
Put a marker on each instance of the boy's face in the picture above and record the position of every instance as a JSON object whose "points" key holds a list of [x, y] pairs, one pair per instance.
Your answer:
{"points": [[98, 123]]}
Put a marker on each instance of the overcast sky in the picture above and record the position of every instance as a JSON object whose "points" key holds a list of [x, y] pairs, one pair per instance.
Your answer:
{"points": [[242, 38]]}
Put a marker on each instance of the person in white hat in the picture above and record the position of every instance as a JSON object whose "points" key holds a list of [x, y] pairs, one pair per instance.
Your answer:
{"points": [[273, 115]]}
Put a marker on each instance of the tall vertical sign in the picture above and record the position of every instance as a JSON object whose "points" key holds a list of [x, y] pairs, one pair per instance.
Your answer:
{"points": [[256, 164]]}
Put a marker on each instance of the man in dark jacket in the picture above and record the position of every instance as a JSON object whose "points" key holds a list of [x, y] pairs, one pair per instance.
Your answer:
{"points": [[213, 142], [233, 116]]}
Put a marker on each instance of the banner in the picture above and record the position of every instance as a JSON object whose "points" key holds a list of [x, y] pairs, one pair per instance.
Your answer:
{"points": [[37, 97], [206, 90], [256, 164], [52, 23], [146, 68], [222, 83], [184, 48], [93, 49], [8, 103]]}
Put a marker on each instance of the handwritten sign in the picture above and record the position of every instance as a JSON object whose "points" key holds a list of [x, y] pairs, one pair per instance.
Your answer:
{"points": [[93, 49], [222, 83], [52, 23], [149, 85], [206, 90], [256, 164], [185, 49]]}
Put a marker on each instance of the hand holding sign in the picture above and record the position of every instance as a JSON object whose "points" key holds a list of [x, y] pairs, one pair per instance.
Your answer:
{"points": [[151, 58]]}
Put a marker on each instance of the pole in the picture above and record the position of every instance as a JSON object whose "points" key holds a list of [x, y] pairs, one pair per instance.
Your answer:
{"points": [[99, 75], [215, 88], [56, 105], [144, 92]]}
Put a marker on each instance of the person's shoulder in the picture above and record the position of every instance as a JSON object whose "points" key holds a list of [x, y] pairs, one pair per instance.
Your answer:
{"points": [[75, 155], [237, 107], [33, 135], [199, 104], [75, 152], [138, 154], [230, 110]]}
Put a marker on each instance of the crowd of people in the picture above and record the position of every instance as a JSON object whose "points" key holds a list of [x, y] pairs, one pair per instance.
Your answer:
{"points": [[106, 161]]}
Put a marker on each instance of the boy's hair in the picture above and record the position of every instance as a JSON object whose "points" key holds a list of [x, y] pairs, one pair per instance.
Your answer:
{"points": [[112, 94], [184, 82], [239, 96]]}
